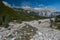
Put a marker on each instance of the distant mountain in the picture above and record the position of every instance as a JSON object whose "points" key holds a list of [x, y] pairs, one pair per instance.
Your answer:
{"points": [[56, 13], [45, 12], [37, 11], [25, 11]]}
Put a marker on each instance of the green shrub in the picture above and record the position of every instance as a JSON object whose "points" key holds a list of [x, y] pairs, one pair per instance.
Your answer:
{"points": [[56, 23], [6, 25]]}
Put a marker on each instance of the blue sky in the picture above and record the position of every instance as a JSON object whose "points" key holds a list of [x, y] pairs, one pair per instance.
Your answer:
{"points": [[36, 3]]}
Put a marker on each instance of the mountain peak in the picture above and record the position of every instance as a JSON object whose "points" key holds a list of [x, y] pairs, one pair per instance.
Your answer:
{"points": [[6, 4]]}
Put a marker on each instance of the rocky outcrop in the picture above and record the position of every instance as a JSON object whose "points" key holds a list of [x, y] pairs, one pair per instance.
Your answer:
{"points": [[44, 32]]}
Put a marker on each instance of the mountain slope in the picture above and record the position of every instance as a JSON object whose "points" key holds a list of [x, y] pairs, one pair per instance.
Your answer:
{"points": [[8, 14]]}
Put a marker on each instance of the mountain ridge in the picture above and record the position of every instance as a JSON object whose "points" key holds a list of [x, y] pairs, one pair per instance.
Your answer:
{"points": [[8, 14]]}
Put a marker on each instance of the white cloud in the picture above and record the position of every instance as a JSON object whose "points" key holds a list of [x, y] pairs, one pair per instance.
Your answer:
{"points": [[41, 5], [26, 7], [37, 8], [24, 3], [5, 3], [51, 7]]}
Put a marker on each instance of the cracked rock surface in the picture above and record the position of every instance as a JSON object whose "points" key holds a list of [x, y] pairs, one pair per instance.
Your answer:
{"points": [[44, 31]]}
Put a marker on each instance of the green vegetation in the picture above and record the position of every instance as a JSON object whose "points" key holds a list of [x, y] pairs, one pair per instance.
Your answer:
{"points": [[9, 15], [56, 23], [57, 20]]}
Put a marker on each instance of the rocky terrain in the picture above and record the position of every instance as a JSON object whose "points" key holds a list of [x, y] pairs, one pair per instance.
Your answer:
{"points": [[14, 31], [44, 32]]}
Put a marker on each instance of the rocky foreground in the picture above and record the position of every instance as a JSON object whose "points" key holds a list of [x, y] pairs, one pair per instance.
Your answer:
{"points": [[44, 31]]}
